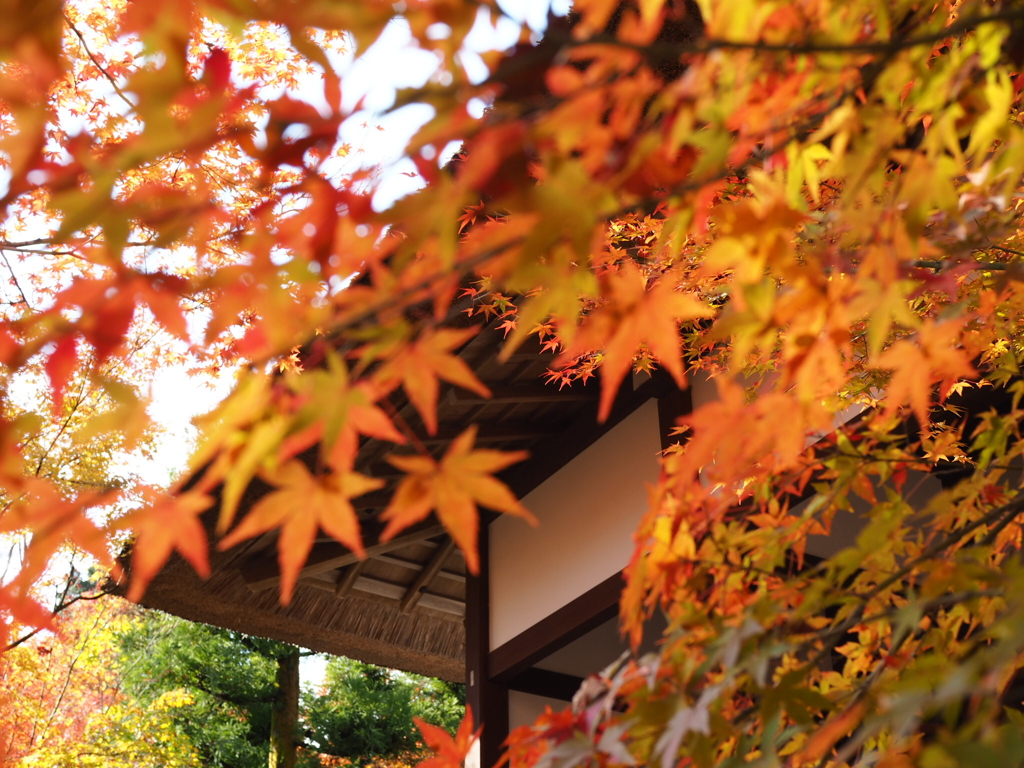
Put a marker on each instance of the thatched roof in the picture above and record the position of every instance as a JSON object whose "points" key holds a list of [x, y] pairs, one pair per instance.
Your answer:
{"points": [[359, 625], [403, 606]]}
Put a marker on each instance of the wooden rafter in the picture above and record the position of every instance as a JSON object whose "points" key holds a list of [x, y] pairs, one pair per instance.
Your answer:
{"points": [[515, 395], [348, 577], [263, 572], [426, 576], [391, 592], [412, 565]]}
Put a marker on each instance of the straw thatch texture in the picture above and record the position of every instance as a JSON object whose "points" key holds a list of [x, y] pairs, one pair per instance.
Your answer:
{"points": [[363, 629]]}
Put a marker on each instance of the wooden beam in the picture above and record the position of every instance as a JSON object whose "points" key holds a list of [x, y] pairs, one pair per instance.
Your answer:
{"points": [[390, 591], [544, 682], [412, 565], [426, 576], [387, 589], [264, 572], [570, 622], [506, 395], [486, 698], [348, 578]]}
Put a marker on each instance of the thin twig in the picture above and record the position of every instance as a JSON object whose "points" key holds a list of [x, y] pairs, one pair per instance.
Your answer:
{"points": [[14, 279], [57, 609], [95, 61]]}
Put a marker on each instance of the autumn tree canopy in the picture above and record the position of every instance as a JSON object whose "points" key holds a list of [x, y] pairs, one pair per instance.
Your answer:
{"points": [[814, 203], [63, 699]]}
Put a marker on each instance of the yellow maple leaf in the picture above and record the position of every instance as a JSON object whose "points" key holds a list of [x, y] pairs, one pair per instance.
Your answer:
{"points": [[453, 486]]}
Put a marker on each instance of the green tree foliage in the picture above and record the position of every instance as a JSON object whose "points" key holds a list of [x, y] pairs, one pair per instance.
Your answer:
{"points": [[229, 677], [367, 711], [229, 680]]}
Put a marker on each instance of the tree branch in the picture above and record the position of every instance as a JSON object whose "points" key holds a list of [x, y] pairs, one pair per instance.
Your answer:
{"points": [[95, 61]]}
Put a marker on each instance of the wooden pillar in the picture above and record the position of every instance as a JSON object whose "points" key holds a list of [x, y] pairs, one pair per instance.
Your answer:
{"points": [[487, 698], [284, 719]]}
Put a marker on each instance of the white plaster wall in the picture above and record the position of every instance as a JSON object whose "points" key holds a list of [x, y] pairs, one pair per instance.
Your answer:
{"points": [[703, 389], [525, 708], [587, 511]]}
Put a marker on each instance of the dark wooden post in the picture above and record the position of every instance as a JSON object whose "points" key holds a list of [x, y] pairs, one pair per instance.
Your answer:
{"points": [[285, 716], [487, 698]]}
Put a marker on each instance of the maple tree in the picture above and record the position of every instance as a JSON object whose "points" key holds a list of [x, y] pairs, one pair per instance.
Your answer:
{"points": [[815, 204], [63, 703], [368, 713]]}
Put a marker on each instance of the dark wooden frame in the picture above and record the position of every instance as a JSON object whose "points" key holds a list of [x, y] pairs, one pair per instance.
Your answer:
{"points": [[486, 698], [570, 622], [544, 682]]}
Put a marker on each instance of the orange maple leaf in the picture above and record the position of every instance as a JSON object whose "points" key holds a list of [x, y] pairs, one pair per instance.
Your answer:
{"points": [[453, 486], [635, 314], [53, 520], [424, 361], [301, 505], [170, 523], [448, 752], [931, 357], [825, 736]]}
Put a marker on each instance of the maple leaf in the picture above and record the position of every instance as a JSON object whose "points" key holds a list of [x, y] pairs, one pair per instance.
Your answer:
{"points": [[825, 738], [302, 504], [687, 719], [419, 366], [341, 411], [635, 314], [933, 357], [453, 486], [60, 365], [448, 752], [53, 520], [170, 523], [107, 312]]}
